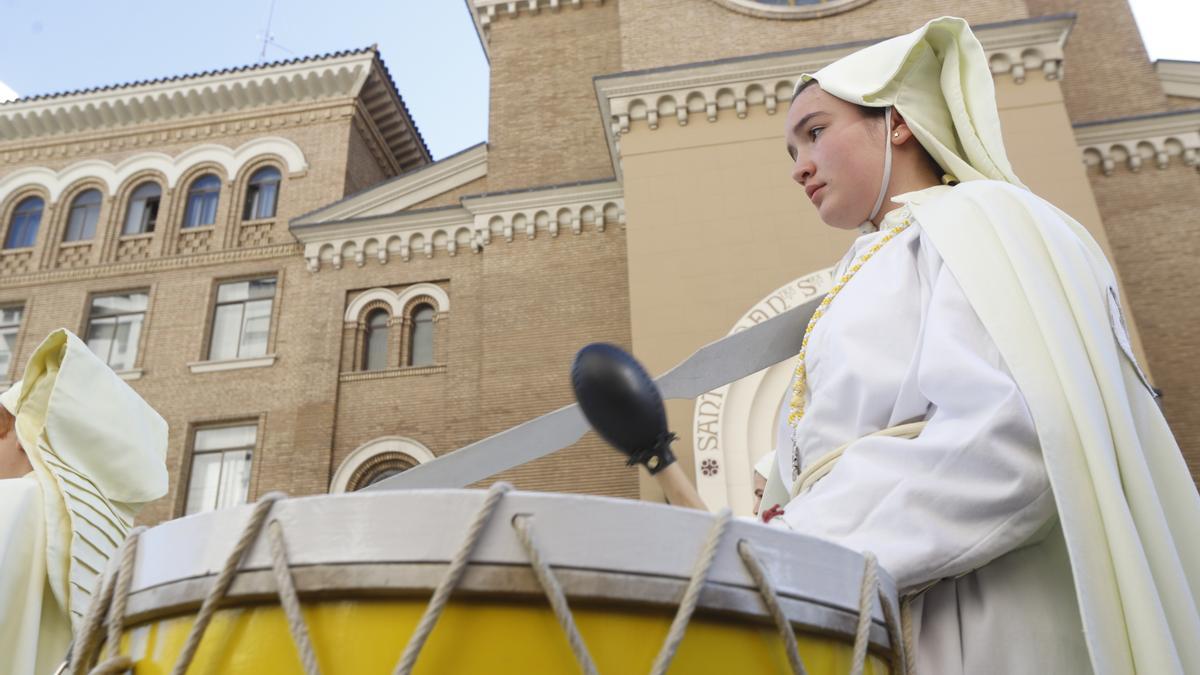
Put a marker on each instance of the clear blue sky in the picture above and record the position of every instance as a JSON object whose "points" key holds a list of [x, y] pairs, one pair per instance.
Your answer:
{"points": [[429, 46]]}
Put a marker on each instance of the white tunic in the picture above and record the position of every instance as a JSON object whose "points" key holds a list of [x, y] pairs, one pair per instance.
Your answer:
{"points": [[966, 506], [34, 629]]}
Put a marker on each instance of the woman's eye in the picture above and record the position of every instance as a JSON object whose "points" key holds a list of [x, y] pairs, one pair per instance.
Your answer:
{"points": [[814, 132]]}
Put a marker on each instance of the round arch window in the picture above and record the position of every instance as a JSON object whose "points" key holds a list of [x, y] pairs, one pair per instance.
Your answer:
{"points": [[790, 9], [380, 467]]}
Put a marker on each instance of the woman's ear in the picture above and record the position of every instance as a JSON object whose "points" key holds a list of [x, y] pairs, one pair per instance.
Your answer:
{"points": [[900, 129]]}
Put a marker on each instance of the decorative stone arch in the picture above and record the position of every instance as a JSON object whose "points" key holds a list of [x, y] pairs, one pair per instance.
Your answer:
{"points": [[116, 238], [242, 177], [357, 306], [71, 192], [204, 238], [64, 254], [409, 300], [358, 333], [254, 232], [440, 299], [172, 168], [233, 160], [387, 452]]}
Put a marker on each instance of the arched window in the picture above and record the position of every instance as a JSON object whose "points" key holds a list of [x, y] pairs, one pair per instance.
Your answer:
{"points": [[420, 346], [380, 467], [375, 341], [202, 199], [262, 192], [143, 209], [381, 474], [22, 229], [377, 460], [83, 216]]}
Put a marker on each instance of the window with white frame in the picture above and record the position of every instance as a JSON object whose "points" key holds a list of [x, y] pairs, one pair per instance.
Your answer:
{"points": [[262, 193], [242, 319], [142, 213], [10, 325], [220, 475], [115, 326], [83, 216]]}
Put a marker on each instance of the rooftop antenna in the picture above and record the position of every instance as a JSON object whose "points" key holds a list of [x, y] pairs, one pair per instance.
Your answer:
{"points": [[268, 39]]}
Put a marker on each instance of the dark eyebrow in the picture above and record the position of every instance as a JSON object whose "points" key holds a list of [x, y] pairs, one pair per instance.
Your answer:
{"points": [[804, 120], [796, 130]]}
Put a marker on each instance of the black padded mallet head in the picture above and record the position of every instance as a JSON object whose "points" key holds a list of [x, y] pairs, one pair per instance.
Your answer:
{"points": [[623, 404]]}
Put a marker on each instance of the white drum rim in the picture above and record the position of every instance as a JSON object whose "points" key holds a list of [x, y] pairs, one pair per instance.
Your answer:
{"points": [[584, 538]]}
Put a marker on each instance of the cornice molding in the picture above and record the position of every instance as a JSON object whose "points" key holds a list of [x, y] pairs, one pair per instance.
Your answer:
{"points": [[477, 222], [1160, 138], [358, 75], [713, 90], [405, 190], [152, 265], [1179, 78], [174, 100], [486, 12], [150, 136]]}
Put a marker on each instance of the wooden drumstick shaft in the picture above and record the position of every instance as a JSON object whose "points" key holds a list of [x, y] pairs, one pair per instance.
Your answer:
{"points": [[678, 489]]}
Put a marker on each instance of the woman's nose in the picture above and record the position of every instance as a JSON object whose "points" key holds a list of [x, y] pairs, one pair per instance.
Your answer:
{"points": [[802, 170]]}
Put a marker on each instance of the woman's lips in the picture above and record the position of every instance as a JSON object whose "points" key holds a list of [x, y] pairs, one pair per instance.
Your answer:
{"points": [[817, 194]]}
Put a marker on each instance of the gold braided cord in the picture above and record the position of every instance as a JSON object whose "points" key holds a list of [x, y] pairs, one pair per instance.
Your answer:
{"points": [[799, 383]]}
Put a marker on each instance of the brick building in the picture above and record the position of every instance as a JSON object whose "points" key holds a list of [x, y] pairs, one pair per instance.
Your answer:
{"points": [[271, 257]]}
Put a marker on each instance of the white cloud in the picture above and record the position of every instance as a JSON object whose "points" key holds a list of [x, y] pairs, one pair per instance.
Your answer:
{"points": [[6, 93]]}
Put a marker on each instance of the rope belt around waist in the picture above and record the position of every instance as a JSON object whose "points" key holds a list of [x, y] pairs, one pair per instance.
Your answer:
{"points": [[821, 466]]}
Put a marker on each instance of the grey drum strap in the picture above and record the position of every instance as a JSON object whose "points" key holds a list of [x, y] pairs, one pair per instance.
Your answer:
{"points": [[714, 365]]}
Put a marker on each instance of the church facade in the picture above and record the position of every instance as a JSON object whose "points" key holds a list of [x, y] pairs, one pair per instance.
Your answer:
{"points": [[272, 258]]}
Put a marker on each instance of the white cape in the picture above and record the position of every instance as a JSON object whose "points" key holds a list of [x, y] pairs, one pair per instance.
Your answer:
{"points": [[1129, 510]]}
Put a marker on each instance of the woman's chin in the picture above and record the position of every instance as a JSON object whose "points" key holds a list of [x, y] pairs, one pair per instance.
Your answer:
{"points": [[841, 223], [835, 218]]}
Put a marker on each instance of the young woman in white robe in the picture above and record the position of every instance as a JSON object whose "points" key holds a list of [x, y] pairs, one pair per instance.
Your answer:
{"points": [[80, 453], [1040, 519]]}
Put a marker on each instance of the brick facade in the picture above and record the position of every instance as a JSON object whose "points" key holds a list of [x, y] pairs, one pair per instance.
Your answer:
{"points": [[1151, 223], [543, 128]]}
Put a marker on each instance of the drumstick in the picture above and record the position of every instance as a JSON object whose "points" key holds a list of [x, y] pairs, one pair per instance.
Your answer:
{"points": [[624, 406]]}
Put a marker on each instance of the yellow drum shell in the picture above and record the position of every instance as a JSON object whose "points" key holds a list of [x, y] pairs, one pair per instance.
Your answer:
{"points": [[477, 636], [365, 566]]}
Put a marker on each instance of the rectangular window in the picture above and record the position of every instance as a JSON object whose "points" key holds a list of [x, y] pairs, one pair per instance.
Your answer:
{"points": [[220, 474], [241, 320], [10, 325], [114, 327]]}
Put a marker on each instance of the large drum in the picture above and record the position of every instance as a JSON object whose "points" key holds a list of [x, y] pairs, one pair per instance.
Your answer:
{"points": [[365, 565]]}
